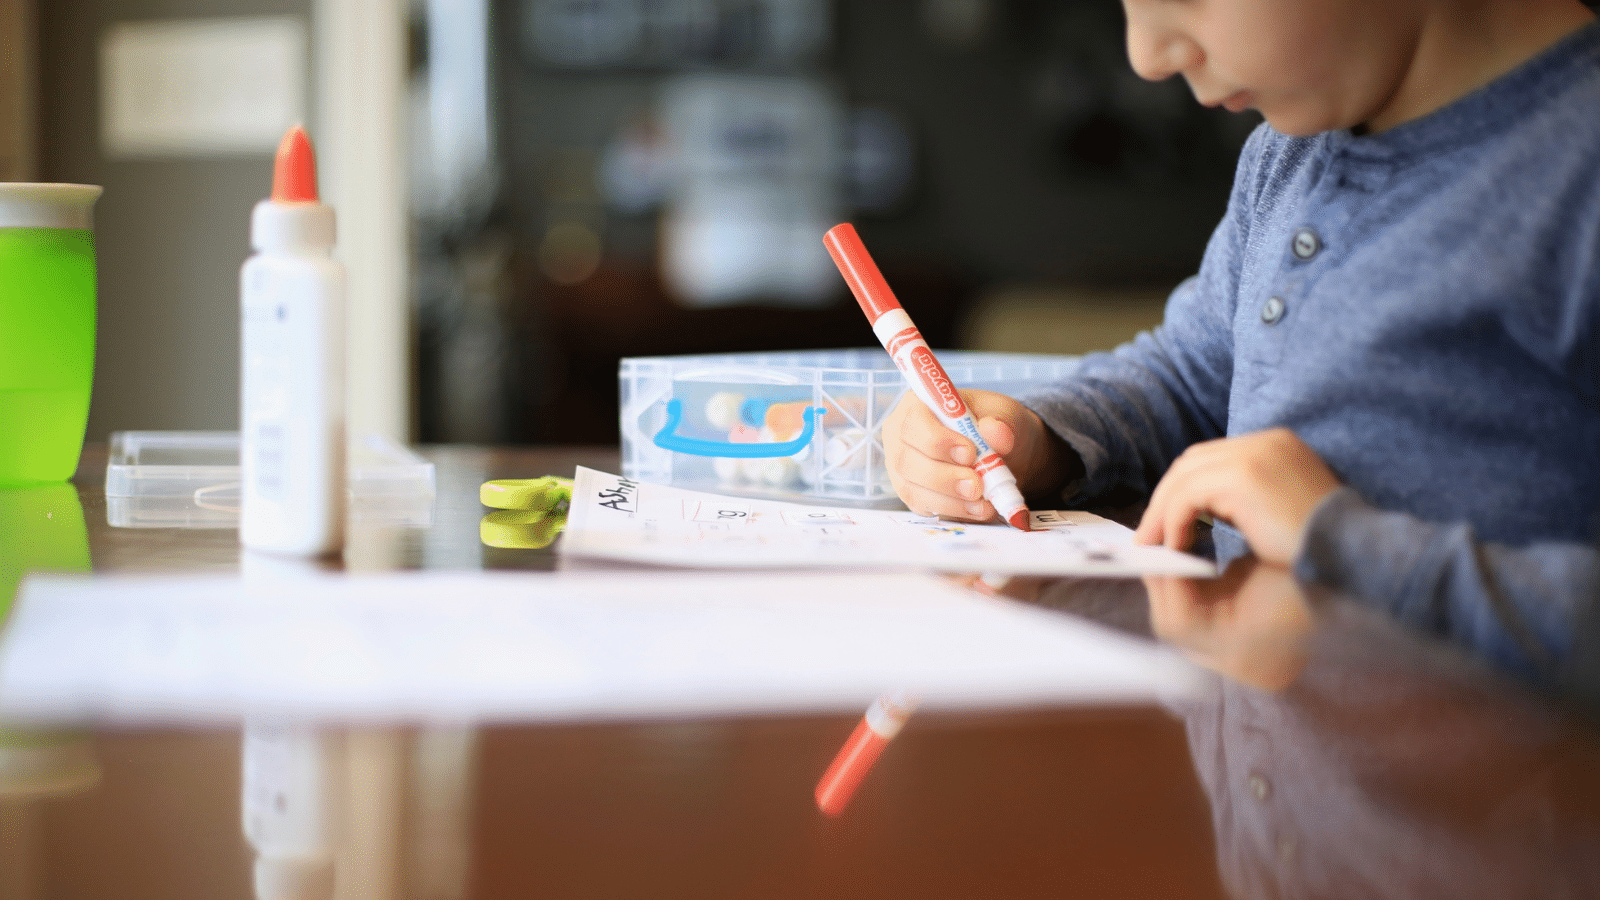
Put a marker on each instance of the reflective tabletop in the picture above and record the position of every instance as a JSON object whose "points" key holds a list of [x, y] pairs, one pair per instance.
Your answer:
{"points": [[1327, 753]]}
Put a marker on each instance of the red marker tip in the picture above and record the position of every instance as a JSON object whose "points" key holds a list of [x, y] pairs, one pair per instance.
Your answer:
{"points": [[1019, 520], [294, 171]]}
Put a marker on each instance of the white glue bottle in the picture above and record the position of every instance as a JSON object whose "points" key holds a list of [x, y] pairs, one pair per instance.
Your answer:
{"points": [[291, 409]]}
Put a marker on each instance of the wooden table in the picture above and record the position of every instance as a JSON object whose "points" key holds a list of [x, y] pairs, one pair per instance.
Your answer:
{"points": [[1337, 757]]}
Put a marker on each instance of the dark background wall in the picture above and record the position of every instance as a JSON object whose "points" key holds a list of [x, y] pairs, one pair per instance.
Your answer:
{"points": [[1041, 168], [171, 232], [1044, 158]]}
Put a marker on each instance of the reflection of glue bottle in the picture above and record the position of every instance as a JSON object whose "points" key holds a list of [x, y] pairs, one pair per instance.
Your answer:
{"points": [[292, 791], [291, 428]]}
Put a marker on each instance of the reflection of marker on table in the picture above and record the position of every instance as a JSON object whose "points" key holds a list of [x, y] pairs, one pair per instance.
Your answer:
{"points": [[921, 369], [883, 721]]}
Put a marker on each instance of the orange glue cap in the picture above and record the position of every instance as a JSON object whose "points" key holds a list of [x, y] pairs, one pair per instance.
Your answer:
{"points": [[293, 217], [294, 171]]}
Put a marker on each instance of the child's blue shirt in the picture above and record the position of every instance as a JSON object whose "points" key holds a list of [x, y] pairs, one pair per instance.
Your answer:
{"points": [[1422, 308]]}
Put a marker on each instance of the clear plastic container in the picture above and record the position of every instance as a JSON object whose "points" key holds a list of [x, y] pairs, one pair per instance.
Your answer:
{"points": [[736, 423], [190, 479]]}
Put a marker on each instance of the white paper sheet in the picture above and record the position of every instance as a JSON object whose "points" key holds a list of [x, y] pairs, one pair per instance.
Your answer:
{"points": [[544, 646], [620, 519]]}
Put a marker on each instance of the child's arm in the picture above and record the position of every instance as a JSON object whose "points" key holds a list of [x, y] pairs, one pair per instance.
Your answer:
{"points": [[1115, 425], [1533, 608], [930, 466], [1127, 414], [1523, 607]]}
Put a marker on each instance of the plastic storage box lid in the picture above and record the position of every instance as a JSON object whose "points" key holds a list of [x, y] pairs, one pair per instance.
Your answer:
{"points": [[190, 479], [736, 423]]}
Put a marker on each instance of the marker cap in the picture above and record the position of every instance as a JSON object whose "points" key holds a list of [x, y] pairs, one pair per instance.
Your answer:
{"points": [[859, 271], [883, 720]]}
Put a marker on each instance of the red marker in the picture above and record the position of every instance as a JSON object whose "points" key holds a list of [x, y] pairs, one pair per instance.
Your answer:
{"points": [[883, 721], [921, 369]]}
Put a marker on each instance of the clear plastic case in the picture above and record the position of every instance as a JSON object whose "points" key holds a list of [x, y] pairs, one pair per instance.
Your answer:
{"points": [[190, 479], [737, 423]]}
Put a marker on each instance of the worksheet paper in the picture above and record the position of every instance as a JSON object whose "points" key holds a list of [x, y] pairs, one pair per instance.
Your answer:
{"points": [[617, 518], [475, 647]]}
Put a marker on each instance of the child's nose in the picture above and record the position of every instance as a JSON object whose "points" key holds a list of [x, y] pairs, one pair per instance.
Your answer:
{"points": [[1157, 53]]}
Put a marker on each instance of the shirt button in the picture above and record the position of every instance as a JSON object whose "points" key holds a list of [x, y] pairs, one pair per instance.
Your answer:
{"points": [[1260, 788], [1272, 310], [1306, 243]]}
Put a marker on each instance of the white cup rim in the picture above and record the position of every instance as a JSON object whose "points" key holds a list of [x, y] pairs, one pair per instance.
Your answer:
{"points": [[36, 204]]}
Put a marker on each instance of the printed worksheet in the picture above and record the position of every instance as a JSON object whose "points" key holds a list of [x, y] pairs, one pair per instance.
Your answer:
{"points": [[618, 518]]}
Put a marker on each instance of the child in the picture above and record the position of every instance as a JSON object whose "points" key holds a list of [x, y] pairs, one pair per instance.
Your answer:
{"points": [[1386, 373]]}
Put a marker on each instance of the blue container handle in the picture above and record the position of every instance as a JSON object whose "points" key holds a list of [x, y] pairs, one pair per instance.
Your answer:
{"points": [[677, 443]]}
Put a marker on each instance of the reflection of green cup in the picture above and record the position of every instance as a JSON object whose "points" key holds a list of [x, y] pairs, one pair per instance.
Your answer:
{"points": [[41, 530], [47, 318]]}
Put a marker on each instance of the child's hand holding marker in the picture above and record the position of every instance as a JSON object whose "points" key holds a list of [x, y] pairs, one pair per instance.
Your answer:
{"points": [[923, 373], [931, 467]]}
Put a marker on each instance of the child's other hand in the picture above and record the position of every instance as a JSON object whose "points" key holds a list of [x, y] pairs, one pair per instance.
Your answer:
{"points": [[930, 466], [1265, 484]]}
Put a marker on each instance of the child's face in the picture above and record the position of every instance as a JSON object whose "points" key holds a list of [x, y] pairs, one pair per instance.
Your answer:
{"points": [[1306, 65]]}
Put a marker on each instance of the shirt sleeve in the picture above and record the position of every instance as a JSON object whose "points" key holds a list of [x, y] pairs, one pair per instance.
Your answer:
{"points": [[1525, 608], [1128, 413]]}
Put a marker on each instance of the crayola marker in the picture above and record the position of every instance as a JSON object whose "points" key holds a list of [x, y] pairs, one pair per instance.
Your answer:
{"points": [[921, 368]]}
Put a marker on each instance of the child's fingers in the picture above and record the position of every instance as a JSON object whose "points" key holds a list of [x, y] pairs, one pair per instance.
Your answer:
{"points": [[1175, 523], [1264, 484], [1176, 607], [930, 465], [940, 488], [1002, 438], [1188, 490], [1152, 524], [921, 429], [944, 490]]}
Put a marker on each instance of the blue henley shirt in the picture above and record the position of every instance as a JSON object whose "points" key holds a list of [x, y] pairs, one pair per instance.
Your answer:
{"points": [[1421, 307]]}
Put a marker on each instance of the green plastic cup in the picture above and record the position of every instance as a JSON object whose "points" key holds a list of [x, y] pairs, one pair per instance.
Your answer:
{"points": [[47, 320]]}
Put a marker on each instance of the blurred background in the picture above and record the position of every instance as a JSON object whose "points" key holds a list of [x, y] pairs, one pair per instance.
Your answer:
{"points": [[530, 190]]}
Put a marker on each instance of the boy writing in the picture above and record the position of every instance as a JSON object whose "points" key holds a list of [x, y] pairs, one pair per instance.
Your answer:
{"points": [[1386, 373]]}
